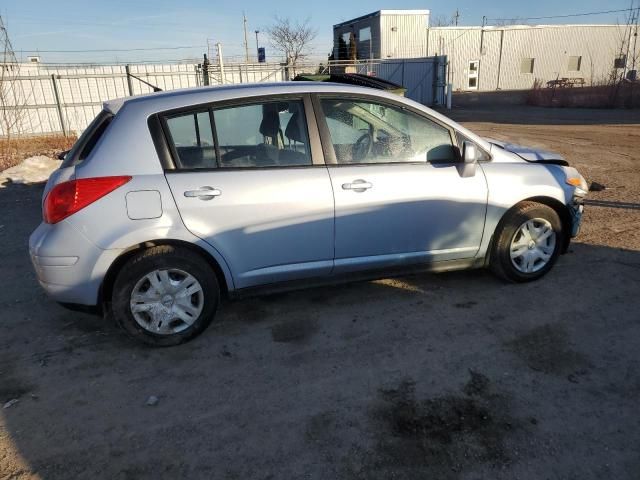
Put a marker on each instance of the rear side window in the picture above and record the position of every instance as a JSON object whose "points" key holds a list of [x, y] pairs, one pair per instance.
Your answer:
{"points": [[192, 138], [270, 133], [265, 134], [88, 140]]}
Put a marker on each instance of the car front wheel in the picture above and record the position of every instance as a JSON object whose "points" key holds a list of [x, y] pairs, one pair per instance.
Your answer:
{"points": [[527, 242], [165, 295]]}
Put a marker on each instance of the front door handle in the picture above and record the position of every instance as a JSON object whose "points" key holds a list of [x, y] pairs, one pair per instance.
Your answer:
{"points": [[357, 185], [204, 193]]}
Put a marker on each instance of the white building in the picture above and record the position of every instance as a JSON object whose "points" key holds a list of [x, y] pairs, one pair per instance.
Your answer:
{"points": [[384, 34], [492, 58]]}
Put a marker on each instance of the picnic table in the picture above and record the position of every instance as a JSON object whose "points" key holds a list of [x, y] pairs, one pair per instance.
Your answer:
{"points": [[566, 82]]}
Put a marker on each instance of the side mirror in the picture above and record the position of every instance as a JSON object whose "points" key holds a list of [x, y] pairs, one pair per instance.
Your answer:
{"points": [[61, 155], [469, 156], [469, 152]]}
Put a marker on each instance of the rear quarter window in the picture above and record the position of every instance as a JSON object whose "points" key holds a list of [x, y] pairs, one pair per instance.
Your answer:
{"points": [[88, 140]]}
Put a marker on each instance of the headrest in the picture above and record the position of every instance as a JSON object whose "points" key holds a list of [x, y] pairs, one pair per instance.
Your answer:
{"points": [[270, 125], [294, 129]]}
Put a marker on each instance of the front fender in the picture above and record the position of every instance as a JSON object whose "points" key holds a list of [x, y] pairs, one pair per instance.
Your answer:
{"points": [[512, 183]]}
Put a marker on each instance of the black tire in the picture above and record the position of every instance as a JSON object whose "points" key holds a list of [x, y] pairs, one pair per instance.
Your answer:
{"points": [[164, 257], [500, 259]]}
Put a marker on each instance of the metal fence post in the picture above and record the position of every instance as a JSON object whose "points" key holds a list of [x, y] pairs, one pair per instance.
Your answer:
{"points": [[205, 70], [436, 75], [59, 104], [129, 82]]}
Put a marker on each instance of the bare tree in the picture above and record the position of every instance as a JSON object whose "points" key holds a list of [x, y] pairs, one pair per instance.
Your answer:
{"points": [[291, 39], [13, 102], [353, 47], [505, 22], [441, 21]]}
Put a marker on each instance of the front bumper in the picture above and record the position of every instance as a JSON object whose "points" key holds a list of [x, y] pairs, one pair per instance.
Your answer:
{"points": [[577, 209], [69, 266]]}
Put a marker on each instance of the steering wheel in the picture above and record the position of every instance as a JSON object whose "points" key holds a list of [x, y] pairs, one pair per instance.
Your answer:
{"points": [[362, 147]]}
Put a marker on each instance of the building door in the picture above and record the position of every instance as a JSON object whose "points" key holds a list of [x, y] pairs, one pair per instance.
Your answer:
{"points": [[472, 75]]}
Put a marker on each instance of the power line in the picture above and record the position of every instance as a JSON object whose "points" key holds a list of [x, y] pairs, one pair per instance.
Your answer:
{"points": [[114, 49], [564, 16]]}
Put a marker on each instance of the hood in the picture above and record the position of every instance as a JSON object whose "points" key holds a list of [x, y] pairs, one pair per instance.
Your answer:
{"points": [[530, 154]]}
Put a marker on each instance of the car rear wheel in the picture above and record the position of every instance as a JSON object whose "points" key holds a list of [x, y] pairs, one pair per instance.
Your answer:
{"points": [[527, 242], [165, 296]]}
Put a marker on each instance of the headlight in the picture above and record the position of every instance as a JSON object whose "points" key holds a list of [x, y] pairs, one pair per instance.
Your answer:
{"points": [[576, 180]]}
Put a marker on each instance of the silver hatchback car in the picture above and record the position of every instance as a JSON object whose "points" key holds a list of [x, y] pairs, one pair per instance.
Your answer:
{"points": [[169, 200]]}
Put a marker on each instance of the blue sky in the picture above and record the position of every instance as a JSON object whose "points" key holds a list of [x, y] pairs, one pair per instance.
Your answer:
{"points": [[121, 24]]}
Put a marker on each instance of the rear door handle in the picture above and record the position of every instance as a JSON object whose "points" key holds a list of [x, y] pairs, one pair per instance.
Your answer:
{"points": [[357, 185], [204, 193]]}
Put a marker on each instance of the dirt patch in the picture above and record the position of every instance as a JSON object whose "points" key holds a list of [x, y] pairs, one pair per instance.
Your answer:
{"points": [[478, 385], [294, 331], [546, 349], [14, 151], [11, 386], [259, 409], [251, 310], [466, 305], [445, 434]]}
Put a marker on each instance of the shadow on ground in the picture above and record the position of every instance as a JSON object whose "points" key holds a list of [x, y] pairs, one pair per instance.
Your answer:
{"points": [[527, 115]]}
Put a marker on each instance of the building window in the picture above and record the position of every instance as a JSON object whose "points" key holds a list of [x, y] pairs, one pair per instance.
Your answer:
{"points": [[365, 45], [472, 75], [620, 61], [526, 66], [574, 64]]}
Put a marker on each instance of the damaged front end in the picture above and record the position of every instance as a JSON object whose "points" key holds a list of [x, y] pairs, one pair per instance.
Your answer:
{"points": [[572, 177], [530, 154]]}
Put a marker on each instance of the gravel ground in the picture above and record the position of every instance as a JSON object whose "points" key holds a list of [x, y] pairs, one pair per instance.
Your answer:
{"points": [[430, 376]]}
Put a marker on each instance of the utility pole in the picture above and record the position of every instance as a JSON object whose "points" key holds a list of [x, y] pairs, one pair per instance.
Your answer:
{"points": [[456, 16], [257, 45], [205, 70], [635, 42], [8, 54], [484, 22], [220, 63], [246, 42]]}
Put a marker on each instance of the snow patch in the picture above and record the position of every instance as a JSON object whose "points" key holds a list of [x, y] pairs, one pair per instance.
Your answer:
{"points": [[32, 170]]}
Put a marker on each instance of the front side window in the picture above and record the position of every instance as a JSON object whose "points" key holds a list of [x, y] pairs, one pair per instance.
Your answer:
{"points": [[192, 137], [365, 132], [266, 134]]}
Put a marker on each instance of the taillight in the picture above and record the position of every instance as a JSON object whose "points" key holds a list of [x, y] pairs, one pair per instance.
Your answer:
{"points": [[69, 197]]}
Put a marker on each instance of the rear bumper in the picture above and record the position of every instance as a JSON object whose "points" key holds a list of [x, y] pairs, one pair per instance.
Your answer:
{"points": [[69, 267]]}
